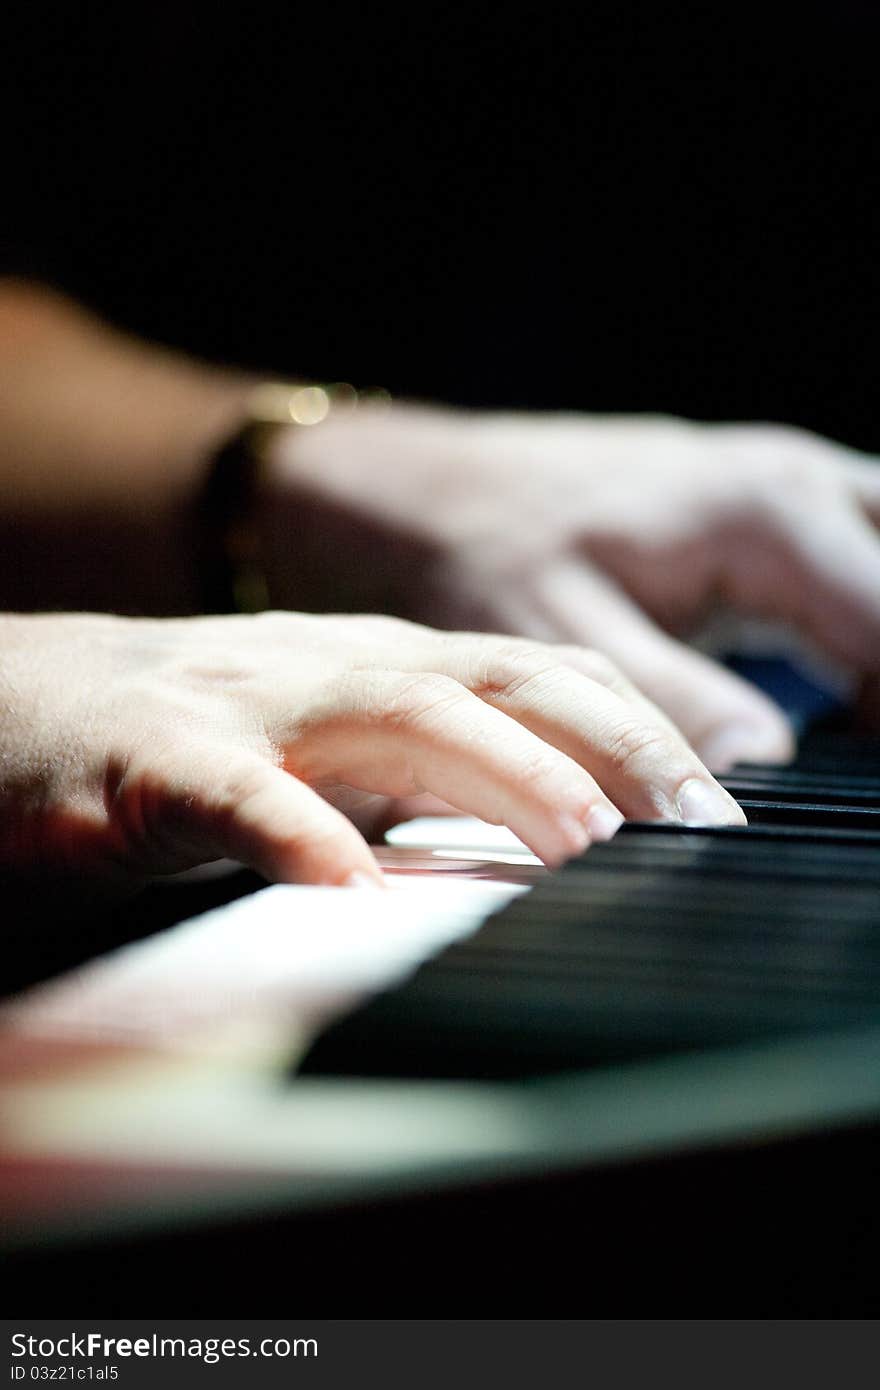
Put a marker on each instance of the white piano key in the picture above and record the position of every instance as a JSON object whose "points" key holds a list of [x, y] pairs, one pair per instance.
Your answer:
{"points": [[465, 834]]}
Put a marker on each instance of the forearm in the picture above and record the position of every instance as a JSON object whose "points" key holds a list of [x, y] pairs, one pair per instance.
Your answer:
{"points": [[94, 421], [104, 446], [106, 443]]}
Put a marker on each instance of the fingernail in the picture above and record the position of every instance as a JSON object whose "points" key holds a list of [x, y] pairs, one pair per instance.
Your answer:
{"points": [[705, 803], [361, 880], [739, 743], [603, 822]]}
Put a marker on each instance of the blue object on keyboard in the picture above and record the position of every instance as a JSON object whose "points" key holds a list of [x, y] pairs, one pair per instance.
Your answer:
{"points": [[804, 700]]}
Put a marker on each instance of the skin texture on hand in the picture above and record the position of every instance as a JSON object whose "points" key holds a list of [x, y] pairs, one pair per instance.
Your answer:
{"points": [[616, 533], [134, 747]]}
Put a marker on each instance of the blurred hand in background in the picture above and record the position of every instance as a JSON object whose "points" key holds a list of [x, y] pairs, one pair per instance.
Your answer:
{"points": [[618, 533]]}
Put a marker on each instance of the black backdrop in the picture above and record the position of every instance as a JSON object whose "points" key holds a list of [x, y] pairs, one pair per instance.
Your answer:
{"points": [[631, 207]]}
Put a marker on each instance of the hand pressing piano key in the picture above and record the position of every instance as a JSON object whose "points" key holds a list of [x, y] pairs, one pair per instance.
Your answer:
{"points": [[274, 739]]}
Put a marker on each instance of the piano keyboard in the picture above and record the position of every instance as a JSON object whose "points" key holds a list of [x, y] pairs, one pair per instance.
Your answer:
{"points": [[669, 938]]}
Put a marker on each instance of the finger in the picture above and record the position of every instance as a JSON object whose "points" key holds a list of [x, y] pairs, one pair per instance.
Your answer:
{"points": [[454, 650], [461, 654], [209, 804], [598, 666], [641, 762], [821, 570], [548, 690], [804, 549], [862, 475], [725, 719], [402, 734], [525, 747]]}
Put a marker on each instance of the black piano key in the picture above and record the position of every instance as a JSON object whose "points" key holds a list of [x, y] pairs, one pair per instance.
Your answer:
{"points": [[767, 811], [785, 786], [816, 832], [754, 851], [667, 938], [838, 754], [801, 796]]}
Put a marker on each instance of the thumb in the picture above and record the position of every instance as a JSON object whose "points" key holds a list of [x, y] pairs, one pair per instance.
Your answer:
{"points": [[726, 719]]}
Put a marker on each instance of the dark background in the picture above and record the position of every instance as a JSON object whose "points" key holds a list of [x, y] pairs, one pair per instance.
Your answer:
{"points": [[634, 207], [642, 207]]}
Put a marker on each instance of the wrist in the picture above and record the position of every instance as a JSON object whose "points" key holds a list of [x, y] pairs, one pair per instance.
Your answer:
{"points": [[229, 504]]}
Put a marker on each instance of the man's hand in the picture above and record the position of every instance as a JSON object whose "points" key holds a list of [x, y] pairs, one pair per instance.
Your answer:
{"points": [[614, 533], [137, 747]]}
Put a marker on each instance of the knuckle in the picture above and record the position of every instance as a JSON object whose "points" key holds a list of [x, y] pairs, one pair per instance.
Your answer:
{"points": [[630, 744], [796, 472], [776, 434], [541, 768], [239, 787], [784, 467], [596, 665], [374, 625], [220, 672], [270, 621], [514, 670], [394, 627], [412, 699]]}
